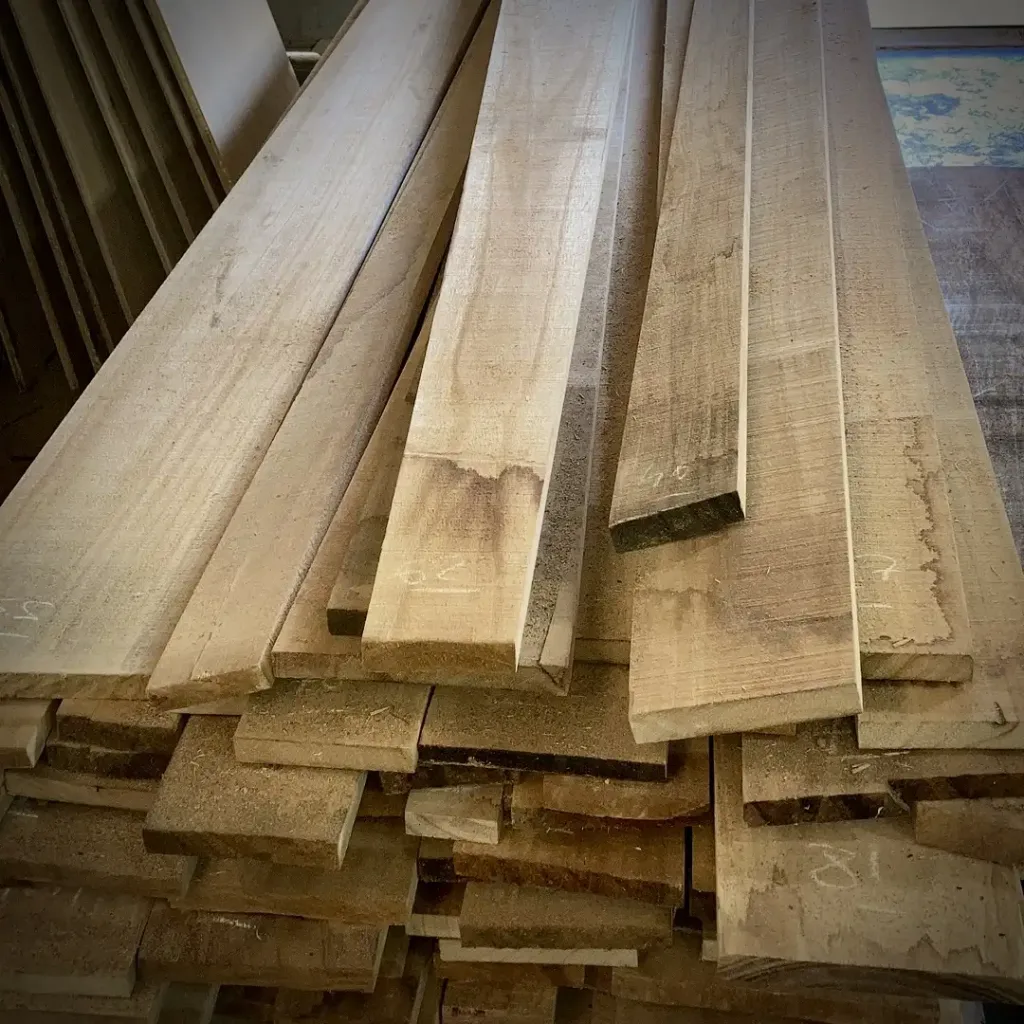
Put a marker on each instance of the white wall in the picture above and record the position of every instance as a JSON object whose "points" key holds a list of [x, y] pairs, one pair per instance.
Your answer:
{"points": [[945, 13]]}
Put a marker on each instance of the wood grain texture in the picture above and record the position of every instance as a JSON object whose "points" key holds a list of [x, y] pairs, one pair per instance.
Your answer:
{"points": [[820, 775], [132, 725], [70, 942], [87, 847], [260, 949], [201, 383], [362, 726], [24, 727], [451, 949], [682, 464], [584, 733], [678, 18], [458, 559], [858, 904], [45, 783], [464, 1002], [989, 830], [210, 805], [233, 70], [472, 813], [755, 626], [980, 712], [222, 643], [112, 764], [143, 1006], [512, 916]]}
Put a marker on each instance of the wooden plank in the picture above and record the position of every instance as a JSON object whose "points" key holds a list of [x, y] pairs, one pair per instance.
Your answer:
{"points": [[814, 906], [102, 182], [92, 847], [703, 877], [211, 805], [682, 464], [143, 1006], [512, 917], [24, 726], [259, 949], [221, 645], [45, 783], [585, 732], [70, 942], [375, 803], [436, 909], [981, 712], [85, 759], [435, 861], [113, 601], [189, 1004], [118, 725], [362, 726], [375, 885], [508, 975], [473, 813], [158, 212], [642, 863], [677, 976], [450, 949], [678, 18], [167, 147], [821, 775], [986, 829], [458, 596], [755, 626], [466, 1002], [234, 71]]}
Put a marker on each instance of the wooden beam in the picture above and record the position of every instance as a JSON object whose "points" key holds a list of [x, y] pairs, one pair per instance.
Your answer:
{"points": [[145, 1005], [180, 401], [119, 725], [24, 727], [990, 829], [473, 813], [86, 759], [452, 949], [452, 588], [45, 783], [682, 464], [678, 18], [221, 645], [755, 626]]}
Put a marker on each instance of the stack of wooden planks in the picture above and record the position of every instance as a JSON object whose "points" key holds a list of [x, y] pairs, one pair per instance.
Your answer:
{"points": [[123, 124], [536, 559]]}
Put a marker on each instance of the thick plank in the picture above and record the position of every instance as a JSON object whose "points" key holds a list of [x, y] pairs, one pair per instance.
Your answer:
{"points": [[508, 975], [986, 829], [821, 775], [473, 813], [677, 976], [143, 1006], [682, 465], [435, 861], [585, 732], [92, 847], [451, 588], [375, 885], [233, 69], [436, 909], [363, 726], [755, 626], [210, 805], [221, 646], [678, 19], [201, 383], [69, 941], [24, 727], [45, 783], [451, 949], [259, 949], [512, 916], [642, 863], [466, 1002], [85, 759], [981, 712], [118, 725], [818, 905]]}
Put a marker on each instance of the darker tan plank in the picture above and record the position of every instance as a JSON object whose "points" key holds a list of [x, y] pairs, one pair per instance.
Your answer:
{"points": [[134, 725]]}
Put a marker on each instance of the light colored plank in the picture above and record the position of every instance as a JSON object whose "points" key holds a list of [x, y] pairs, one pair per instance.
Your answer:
{"points": [[260, 949], [92, 847], [473, 813], [512, 916], [118, 724], [451, 949], [24, 726], [821, 775], [989, 830], [69, 941], [450, 590], [928, 13], [375, 885], [210, 805], [682, 464], [678, 18], [755, 626], [858, 904], [234, 72], [982, 712], [362, 726], [221, 645], [180, 397], [584, 733], [45, 783]]}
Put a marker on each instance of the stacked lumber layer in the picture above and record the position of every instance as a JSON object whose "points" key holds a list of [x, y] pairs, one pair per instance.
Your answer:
{"points": [[356, 707], [124, 122]]}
